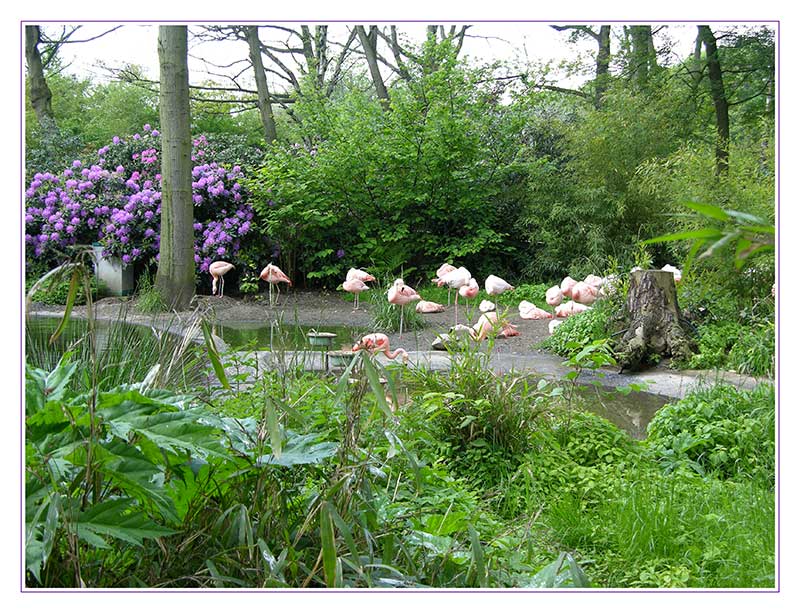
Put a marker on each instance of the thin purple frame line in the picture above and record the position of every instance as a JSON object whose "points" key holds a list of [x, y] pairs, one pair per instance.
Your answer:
{"points": [[777, 314]]}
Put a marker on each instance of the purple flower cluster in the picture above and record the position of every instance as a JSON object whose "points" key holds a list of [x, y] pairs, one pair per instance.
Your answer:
{"points": [[116, 201]]}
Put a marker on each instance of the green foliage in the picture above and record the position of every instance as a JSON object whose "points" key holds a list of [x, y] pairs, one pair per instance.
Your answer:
{"points": [[580, 330], [99, 467], [374, 188], [148, 298], [719, 430], [56, 290], [386, 317]]}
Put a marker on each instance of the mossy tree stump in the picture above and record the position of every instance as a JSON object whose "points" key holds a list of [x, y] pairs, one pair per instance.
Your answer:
{"points": [[654, 321]]}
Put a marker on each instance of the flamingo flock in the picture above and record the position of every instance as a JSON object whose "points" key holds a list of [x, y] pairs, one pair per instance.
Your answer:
{"points": [[579, 295]]}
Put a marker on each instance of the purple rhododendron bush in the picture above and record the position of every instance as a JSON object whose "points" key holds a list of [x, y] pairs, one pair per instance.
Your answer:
{"points": [[115, 200]]}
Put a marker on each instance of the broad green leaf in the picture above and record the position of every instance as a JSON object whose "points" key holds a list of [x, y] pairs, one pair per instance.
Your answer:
{"points": [[301, 450], [57, 380], [118, 519]]}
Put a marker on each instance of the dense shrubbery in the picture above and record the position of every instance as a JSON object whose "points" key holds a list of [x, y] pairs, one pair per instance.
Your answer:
{"points": [[719, 431]]}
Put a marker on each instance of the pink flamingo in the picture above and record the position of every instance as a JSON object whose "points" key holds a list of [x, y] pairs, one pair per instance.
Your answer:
{"points": [[274, 275], [495, 286], [470, 290], [554, 296], [355, 286], [489, 323], [566, 286], [361, 275], [401, 294], [455, 279], [217, 270], [379, 343], [528, 310], [584, 293], [426, 306], [441, 272]]}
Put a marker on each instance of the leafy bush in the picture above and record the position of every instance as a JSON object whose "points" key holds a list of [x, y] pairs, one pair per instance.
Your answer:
{"points": [[719, 430], [578, 331]]}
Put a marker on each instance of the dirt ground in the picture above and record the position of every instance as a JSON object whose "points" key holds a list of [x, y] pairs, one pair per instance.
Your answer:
{"points": [[314, 308]]}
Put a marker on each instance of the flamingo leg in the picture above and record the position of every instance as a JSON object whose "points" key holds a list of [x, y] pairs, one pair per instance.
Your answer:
{"points": [[270, 294], [221, 286], [456, 309], [401, 322]]}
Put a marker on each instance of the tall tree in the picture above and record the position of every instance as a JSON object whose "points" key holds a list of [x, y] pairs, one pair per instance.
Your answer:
{"points": [[718, 96], [264, 102], [369, 42], [603, 60], [642, 57], [40, 95], [175, 276]]}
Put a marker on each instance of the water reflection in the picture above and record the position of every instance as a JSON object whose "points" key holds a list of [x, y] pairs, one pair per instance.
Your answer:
{"points": [[257, 335], [631, 412]]}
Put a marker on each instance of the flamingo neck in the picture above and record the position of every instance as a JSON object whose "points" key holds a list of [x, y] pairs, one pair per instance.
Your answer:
{"points": [[393, 354]]}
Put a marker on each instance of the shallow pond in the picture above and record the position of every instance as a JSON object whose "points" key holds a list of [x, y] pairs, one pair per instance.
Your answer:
{"points": [[255, 335], [631, 412], [38, 330]]}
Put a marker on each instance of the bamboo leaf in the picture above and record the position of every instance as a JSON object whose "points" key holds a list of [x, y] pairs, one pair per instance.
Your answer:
{"points": [[705, 233], [478, 557], [274, 428], [726, 238], [213, 356], [377, 388], [708, 210], [74, 283], [328, 539]]}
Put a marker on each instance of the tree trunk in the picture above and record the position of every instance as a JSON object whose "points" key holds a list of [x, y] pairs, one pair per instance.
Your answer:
{"points": [[720, 100], [603, 62], [40, 94], [264, 104], [369, 43], [643, 62], [175, 276], [655, 327]]}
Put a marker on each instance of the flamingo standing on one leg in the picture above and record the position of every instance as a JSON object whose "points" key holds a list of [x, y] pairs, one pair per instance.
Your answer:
{"points": [[361, 275], [455, 279], [274, 275], [496, 286], [217, 271], [401, 294], [470, 290], [441, 272], [379, 343], [355, 286]]}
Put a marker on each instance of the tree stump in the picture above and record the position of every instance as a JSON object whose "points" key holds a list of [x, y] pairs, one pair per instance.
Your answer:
{"points": [[655, 327]]}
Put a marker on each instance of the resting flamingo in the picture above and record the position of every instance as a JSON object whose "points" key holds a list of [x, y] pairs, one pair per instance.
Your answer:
{"points": [[470, 290], [495, 286], [455, 279], [441, 272], [274, 275], [379, 343], [401, 294], [361, 275], [355, 286], [217, 270], [426, 306]]}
